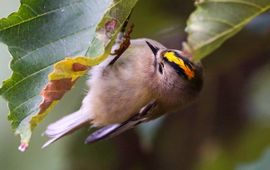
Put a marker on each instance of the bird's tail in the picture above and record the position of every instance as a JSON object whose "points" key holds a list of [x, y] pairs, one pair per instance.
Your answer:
{"points": [[64, 126]]}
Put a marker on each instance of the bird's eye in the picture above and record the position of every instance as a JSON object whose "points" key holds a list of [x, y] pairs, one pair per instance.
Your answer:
{"points": [[160, 67]]}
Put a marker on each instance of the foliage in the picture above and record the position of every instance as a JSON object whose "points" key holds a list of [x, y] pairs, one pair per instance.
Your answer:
{"points": [[214, 21], [43, 33]]}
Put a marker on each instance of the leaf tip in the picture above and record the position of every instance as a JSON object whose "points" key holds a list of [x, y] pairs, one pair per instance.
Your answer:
{"points": [[23, 146]]}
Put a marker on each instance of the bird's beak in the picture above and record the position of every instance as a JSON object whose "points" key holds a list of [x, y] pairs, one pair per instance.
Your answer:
{"points": [[153, 48]]}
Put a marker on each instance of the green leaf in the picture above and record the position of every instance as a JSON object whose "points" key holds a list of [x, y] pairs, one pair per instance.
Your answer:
{"points": [[214, 21], [42, 33]]}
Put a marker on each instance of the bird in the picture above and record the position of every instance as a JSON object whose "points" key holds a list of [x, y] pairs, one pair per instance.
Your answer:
{"points": [[145, 82]]}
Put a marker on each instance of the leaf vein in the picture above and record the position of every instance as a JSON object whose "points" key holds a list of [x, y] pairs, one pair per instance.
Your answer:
{"points": [[236, 27], [30, 8], [23, 103], [38, 16], [49, 43], [219, 21], [238, 2], [30, 75], [25, 78]]}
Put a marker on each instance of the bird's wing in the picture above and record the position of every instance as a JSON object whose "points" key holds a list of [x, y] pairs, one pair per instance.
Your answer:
{"points": [[116, 129]]}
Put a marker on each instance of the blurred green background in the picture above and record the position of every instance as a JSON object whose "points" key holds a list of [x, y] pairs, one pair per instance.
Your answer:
{"points": [[227, 128]]}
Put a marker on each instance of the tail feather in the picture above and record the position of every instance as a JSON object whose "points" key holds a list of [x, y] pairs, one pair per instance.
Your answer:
{"points": [[64, 126]]}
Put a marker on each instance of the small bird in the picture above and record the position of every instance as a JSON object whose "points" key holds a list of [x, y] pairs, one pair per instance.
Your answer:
{"points": [[145, 82]]}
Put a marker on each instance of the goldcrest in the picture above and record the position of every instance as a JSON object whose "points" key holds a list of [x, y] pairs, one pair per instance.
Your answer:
{"points": [[145, 82]]}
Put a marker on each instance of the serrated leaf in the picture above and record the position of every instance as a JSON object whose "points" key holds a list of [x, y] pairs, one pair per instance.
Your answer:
{"points": [[42, 33], [61, 80], [214, 21]]}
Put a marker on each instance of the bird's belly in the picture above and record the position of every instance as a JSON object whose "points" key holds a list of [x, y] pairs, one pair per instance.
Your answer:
{"points": [[111, 109], [114, 99]]}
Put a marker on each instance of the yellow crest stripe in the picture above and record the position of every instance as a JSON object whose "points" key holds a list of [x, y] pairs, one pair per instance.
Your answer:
{"points": [[171, 57]]}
